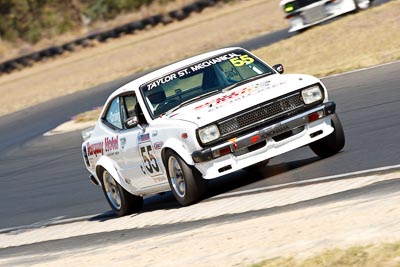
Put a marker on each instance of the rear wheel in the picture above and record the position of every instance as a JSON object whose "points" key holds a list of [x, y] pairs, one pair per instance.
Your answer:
{"points": [[331, 144], [185, 181], [121, 201]]}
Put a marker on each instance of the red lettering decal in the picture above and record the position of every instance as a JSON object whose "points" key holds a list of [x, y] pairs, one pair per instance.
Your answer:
{"points": [[111, 144], [95, 149], [199, 107]]}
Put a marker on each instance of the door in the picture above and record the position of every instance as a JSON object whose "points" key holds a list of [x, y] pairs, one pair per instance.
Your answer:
{"points": [[141, 166]]}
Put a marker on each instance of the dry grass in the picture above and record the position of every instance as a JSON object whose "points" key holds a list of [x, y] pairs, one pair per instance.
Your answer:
{"points": [[213, 28], [380, 255], [374, 38], [358, 40], [91, 115]]}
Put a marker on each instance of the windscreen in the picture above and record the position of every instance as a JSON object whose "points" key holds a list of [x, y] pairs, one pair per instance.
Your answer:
{"points": [[292, 6], [200, 79]]}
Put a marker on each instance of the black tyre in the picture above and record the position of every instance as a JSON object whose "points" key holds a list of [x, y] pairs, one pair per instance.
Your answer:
{"points": [[121, 201], [186, 182], [331, 144], [69, 47]]}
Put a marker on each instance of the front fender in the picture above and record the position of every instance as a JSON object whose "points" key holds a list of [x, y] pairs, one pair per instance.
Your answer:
{"points": [[180, 148], [110, 166]]}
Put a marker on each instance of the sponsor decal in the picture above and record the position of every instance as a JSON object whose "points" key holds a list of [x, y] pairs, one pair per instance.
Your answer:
{"points": [[111, 144], [236, 95], [144, 137], [115, 117], [95, 149], [196, 67], [131, 121], [213, 61], [158, 145], [162, 80], [219, 100]]}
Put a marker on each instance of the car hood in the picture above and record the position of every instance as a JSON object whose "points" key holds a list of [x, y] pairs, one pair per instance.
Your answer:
{"points": [[224, 104]]}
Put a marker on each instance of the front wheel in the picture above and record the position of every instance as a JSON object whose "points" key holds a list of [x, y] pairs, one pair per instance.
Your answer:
{"points": [[121, 201], [331, 144], [186, 182]]}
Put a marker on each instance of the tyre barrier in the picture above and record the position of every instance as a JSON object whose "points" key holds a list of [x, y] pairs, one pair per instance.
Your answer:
{"points": [[135, 26], [34, 56], [178, 15], [69, 46], [84, 41], [102, 36]]}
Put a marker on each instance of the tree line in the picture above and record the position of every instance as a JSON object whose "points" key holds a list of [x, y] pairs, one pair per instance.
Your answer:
{"points": [[31, 20]]}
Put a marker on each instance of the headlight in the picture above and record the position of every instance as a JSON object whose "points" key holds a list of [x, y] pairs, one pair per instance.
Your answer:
{"points": [[312, 94], [289, 7], [209, 133]]}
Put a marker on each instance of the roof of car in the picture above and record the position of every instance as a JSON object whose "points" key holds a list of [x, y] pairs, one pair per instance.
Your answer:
{"points": [[168, 69]]}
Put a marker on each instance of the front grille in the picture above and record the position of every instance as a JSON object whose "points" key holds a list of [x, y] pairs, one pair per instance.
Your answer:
{"points": [[314, 14], [260, 114]]}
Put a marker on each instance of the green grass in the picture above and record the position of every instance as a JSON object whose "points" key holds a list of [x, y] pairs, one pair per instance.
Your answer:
{"points": [[31, 20], [380, 255]]}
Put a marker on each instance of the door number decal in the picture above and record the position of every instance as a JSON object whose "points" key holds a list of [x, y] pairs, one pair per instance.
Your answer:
{"points": [[150, 164]]}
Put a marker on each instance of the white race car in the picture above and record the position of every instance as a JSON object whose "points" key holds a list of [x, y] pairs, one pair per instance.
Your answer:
{"points": [[305, 13], [201, 118]]}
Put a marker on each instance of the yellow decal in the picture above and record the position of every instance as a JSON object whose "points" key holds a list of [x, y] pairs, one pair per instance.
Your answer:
{"points": [[241, 61]]}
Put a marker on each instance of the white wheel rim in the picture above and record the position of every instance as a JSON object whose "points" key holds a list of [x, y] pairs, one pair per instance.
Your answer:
{"points": [[177, 177], [112, 192]]}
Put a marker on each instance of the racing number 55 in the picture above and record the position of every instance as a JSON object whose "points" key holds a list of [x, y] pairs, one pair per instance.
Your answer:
{"points": [[149, 160], [242, 60]]}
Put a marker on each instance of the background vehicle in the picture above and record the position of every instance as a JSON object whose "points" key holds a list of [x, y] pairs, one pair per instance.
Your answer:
{"points": [[305, 13], [201, 118]]}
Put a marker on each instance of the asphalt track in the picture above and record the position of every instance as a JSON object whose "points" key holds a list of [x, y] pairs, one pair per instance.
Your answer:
{"points": [[78, 237], [43, 178]]}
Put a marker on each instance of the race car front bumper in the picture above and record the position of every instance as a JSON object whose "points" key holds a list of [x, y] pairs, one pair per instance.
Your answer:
{"points": [[278, 131], [318, 12]]}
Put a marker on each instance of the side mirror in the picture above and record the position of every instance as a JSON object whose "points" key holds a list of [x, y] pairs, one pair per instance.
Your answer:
{"points": [[131, 122], [278, 68]]}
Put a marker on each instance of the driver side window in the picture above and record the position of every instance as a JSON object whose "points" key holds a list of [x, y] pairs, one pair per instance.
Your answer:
{"points": [[131, 109], [129, 104], [113, 115]]}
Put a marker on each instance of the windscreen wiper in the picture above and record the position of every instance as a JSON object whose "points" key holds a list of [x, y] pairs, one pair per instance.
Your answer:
{"points": [[230, 87], [184, 103]]}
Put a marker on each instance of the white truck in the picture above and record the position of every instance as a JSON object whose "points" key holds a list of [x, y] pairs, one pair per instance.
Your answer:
{"points": [[201, 118]]}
